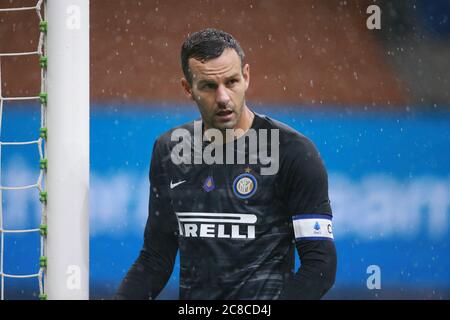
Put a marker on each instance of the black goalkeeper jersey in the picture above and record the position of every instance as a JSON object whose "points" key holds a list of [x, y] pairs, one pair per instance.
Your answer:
{"points": [[235, 228]]}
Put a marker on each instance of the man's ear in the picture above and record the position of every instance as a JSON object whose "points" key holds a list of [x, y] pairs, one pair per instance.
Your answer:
{"points": [[186, 88], [246, 75]]}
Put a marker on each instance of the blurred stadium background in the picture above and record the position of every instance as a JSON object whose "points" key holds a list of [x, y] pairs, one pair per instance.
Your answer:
{"points": [[375, 102]]}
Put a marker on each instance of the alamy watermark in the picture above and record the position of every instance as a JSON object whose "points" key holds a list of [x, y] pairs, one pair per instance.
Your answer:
{"points": [[374, 20], [262, 144], [374, 280], [73, 281]]}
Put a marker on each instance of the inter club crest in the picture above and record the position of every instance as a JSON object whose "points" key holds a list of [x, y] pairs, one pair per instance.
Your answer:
{"points": [[245, 185]]}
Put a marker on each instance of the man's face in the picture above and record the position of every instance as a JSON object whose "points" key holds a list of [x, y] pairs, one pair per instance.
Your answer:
{"points": [[218, 87]]}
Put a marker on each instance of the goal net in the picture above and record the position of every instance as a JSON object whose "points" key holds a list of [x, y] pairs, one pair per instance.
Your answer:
{"points": [[62, 143]]}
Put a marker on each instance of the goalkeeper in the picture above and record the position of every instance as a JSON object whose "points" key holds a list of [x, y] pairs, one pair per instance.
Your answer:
{"points": [[236, 228]]}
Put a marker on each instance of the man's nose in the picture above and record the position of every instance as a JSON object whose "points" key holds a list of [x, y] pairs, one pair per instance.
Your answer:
{"points": [[222, 97]]}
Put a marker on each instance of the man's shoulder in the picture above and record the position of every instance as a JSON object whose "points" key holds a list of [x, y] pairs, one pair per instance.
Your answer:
{"points": [[289, 137], [299, 157], [165, 142], [166, 139]]}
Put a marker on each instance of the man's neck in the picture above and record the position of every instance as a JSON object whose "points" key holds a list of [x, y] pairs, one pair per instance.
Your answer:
{"points": [[245, 123]]}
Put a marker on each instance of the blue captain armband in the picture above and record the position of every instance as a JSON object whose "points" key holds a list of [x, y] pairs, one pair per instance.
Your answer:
{"points": [[312, 227]]}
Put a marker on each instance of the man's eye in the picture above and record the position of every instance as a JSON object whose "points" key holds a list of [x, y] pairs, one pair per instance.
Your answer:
{"points": [[209, 86], [232, 81]]}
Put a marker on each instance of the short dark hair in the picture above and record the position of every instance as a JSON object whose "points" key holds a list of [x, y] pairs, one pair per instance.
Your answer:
{"points": [[205, 45]]}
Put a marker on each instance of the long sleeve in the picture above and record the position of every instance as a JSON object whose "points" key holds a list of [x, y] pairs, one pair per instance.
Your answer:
{"points": [[152, 269], [308, 205], [316, 274]]}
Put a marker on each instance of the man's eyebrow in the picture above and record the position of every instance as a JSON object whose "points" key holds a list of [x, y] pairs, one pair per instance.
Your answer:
{"points": [[208, 81], [205, 81], [233, 76]]}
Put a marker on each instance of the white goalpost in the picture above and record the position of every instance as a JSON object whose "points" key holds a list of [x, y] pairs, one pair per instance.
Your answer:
{"points": [[68, 149], [63, 145]]}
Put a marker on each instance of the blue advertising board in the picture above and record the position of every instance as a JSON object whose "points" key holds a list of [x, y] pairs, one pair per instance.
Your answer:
{"points": [[389, 178]]}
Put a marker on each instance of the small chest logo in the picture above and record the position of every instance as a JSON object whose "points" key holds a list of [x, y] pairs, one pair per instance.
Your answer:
{"points": [[245, 185], [209, 185]]}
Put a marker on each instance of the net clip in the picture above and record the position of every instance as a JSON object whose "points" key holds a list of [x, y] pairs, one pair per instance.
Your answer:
{"points": [[43, 196]]}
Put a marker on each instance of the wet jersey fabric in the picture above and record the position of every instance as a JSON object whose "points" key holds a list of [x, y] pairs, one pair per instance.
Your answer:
{"points": [[236, 229]]}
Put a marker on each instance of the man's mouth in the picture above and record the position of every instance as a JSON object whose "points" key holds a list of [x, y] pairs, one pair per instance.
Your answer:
{"points": [[224, 115]]}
